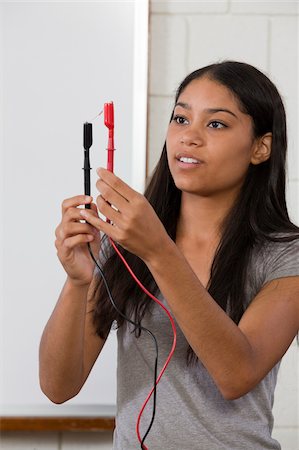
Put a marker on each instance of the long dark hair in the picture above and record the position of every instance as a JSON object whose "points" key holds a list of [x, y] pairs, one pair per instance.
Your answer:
{"points": [[258, 215]]}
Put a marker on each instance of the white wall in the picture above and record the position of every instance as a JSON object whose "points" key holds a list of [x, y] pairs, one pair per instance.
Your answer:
{"points": [[186, 35], [60, 61], [57, 73], [1, 197]]}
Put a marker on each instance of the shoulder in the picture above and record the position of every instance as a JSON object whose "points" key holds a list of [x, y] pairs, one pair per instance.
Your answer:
{"points": [[280, 257], [272, 259]]}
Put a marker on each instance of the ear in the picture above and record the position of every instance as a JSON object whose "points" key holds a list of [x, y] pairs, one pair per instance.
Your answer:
{"points": [[262, 149]]}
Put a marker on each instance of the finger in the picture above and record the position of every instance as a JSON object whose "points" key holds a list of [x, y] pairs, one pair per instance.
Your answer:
{"points": [[111, 196], [75, 201], [106, 209], [74, 241], [93, 207], [117, 184], [72, 214], [100, 224], [74, 228]]}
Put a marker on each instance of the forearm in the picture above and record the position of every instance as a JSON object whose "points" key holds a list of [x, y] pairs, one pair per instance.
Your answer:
{"points": [[215, 338], [62, 344]]}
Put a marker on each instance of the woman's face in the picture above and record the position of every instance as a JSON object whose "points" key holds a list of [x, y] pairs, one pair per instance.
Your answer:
{"points": [[209, 141]]}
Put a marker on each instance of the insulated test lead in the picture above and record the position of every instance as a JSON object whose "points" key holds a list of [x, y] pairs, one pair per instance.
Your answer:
{"points": [[87, 143], [109, 122]]}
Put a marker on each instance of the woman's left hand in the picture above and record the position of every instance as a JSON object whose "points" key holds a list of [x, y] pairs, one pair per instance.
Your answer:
{"points": [[133, 222]]}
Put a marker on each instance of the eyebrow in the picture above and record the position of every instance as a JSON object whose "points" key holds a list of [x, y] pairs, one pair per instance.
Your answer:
{"points": [[208, 110]]}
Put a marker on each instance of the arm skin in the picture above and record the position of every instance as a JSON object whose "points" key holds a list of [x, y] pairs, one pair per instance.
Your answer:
{"points": [[236, 356], [69, 346]]}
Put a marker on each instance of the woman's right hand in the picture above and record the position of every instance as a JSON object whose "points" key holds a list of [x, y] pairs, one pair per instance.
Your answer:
{"points": [[72, 236]]}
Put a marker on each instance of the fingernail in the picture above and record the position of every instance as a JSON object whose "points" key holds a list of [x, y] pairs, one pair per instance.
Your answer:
{"points": [[84, 213], [88, 198]]}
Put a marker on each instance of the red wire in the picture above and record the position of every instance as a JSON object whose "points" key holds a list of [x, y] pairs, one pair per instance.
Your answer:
{"points": [[109, 122], [173, 342]]}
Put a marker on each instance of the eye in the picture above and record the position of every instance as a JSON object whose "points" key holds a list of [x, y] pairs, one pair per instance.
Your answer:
{"points": [[180, 120], [215, 124]]}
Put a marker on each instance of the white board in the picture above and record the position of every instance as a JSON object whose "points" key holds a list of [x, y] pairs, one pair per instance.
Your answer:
{"points": [[60, 62]]}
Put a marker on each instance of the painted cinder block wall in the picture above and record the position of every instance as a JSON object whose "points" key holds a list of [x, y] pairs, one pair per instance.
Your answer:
{"points": [[186, 35]]}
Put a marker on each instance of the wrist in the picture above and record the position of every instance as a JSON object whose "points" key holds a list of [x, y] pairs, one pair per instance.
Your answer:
{"points": [[72, 283], [166, 249]]}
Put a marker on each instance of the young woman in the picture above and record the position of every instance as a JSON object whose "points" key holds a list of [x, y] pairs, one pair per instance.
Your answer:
{"points": [[212, 238]]}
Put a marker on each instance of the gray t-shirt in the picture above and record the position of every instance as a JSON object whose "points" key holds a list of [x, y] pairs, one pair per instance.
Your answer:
{"points": [[191, 413]]}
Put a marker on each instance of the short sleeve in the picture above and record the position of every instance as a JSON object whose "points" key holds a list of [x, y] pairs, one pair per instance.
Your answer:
{"points": [[281, 259]]}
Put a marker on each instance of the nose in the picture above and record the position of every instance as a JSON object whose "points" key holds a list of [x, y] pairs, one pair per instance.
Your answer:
{"points": [[192, 137]]}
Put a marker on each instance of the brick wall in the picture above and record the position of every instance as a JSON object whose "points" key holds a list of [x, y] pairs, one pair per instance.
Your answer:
{"points": [[186, 35]]}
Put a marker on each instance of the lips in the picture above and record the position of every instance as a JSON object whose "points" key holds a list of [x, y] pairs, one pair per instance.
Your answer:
{"points": [[183, 158]]}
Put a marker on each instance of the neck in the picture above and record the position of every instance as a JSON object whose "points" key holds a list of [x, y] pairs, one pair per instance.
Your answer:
{"points": [[201, 218]]}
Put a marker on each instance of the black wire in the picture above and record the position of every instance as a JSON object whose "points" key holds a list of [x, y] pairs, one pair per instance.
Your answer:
{"points": [[141, 328], [87, 143], [154, 402]]}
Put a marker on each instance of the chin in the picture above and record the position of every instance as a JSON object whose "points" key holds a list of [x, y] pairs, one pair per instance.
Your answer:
{"points": [[199, 190], [188, 188]]}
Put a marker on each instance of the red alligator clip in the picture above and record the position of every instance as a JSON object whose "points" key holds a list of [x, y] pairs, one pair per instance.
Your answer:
{"points": [[109, 122]]}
